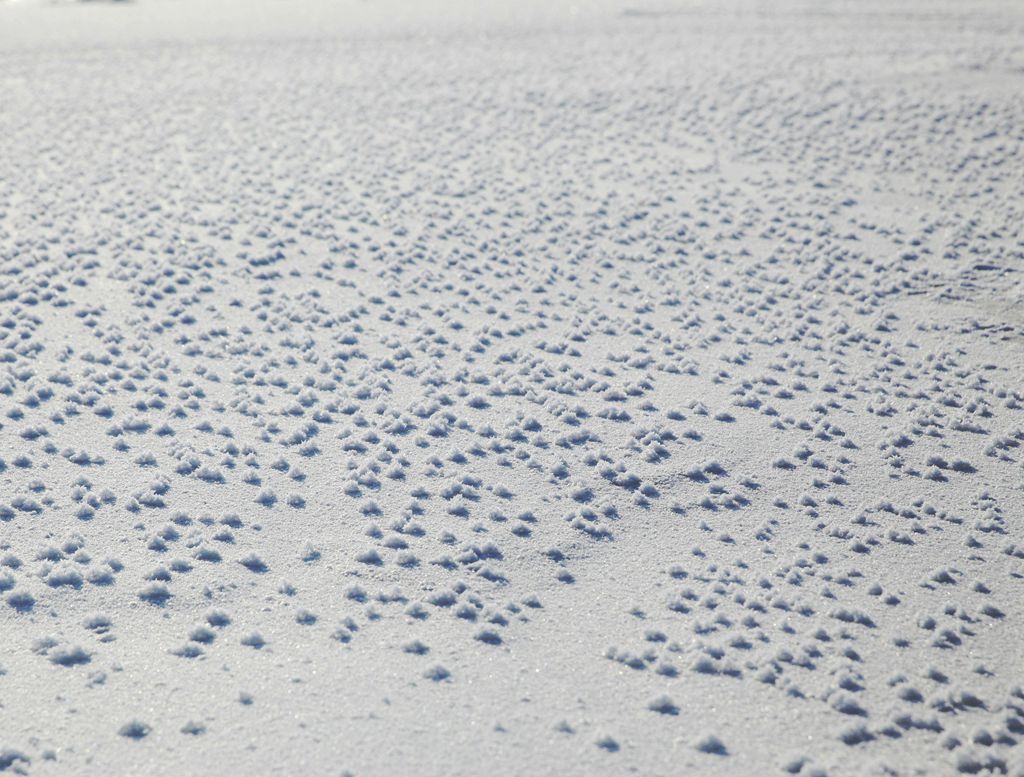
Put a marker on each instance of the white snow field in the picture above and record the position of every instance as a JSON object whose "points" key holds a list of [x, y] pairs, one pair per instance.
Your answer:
{"points": [[495, 388]]}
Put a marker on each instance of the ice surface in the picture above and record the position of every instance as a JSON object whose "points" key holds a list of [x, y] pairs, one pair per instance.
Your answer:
{"points": [[511, 388]]}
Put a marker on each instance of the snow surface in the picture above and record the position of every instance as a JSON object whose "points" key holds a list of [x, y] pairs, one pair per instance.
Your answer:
{"points": [[487, 388]]}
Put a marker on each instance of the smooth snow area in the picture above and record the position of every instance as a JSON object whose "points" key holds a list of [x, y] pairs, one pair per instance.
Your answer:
{"points": [[462, 388]]}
